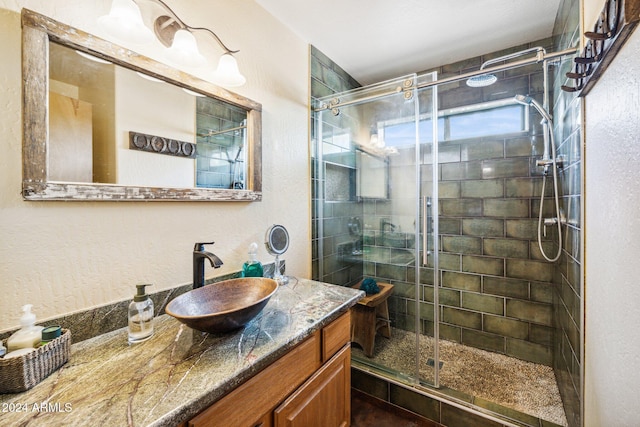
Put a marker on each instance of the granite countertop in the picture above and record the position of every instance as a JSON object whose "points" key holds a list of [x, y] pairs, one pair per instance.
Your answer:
{"points": [[177, 373]]}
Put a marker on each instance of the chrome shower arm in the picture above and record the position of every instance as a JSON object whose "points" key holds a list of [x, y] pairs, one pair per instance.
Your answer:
{"points": [[540, 53]]}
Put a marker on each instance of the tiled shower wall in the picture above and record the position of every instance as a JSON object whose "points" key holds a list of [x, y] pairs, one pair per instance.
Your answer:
{"points": [[567, 278], [496, 289], [497, 292], [328, 78]]}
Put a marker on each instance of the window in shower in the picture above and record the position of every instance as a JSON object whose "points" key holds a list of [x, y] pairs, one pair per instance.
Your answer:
{"points": [[473, 121]]}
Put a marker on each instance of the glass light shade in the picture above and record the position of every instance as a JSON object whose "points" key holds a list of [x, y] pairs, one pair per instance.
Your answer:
{"points": [[124, 22], [184, 50], [227, 74]]}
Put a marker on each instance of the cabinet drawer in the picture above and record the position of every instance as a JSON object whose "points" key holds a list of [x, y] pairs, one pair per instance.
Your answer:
{"points": [[336, 335], [248, 404]]}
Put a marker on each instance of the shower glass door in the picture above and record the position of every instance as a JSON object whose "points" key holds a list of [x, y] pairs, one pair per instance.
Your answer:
{"points": [[374, 214]]}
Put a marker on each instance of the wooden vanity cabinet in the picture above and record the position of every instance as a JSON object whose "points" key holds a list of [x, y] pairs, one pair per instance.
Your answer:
{"points": [[310, 386]]}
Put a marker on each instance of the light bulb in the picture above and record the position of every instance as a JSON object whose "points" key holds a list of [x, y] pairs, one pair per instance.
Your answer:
{"points": [[124, 22], [184, 50], [227, 73]]}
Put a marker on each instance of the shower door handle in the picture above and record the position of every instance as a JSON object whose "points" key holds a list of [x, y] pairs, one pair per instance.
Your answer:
{"points": [[426, 220]]}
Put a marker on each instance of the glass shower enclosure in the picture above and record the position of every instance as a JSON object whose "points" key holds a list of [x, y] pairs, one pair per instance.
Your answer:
{"points": [[432, 188], [375, 207]]}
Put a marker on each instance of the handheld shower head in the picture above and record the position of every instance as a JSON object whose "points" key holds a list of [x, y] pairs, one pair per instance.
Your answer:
{"points": [[527, 100], [523, 99]]}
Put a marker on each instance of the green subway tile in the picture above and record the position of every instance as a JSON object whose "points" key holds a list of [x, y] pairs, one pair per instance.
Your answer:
{"points": [[483, 265], [518, 147], [483, 340], [522, 228], [482, 188], [506, 208], [482, 150], [483, 227], [529, 351], [319, 89], [405, 322], [541, 335], [450, 333], [316, 68], [573, 274], [414, 402], [523, 187], [426, 309], [506, 287], [530, 311], [548, 210], [508, 248], [514, 414], [453, 416], [483, 303], [426, 293], [461, 207], [542, 292], [464, 318], [448, 153], [405, 290], [449, 297], [458, 171], [426, 276], [550, 249], [391, 272], [505, 168], [462, 244], [530, 270], [449, 190], [468, 282], [449, 226], [569, 299], [506, 327], [448, 261], [369, 384]]}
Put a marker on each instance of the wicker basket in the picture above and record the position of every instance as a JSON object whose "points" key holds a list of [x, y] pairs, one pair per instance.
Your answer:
{"points": [[21, 373]]}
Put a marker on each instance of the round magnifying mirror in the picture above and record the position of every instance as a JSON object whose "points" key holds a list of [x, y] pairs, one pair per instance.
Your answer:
{"points": [[277, 243]]}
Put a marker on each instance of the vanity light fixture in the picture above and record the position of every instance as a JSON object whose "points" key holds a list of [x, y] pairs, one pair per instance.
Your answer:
{"points": [[124, 22]]}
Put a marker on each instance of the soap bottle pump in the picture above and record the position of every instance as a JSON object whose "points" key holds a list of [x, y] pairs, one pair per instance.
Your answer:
{"points": [[140, 316], [253, 267], [29, 335]]}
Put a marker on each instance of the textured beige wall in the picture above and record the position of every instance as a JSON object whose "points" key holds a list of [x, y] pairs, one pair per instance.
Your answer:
{"points": [[69, 256], [612, 233]]}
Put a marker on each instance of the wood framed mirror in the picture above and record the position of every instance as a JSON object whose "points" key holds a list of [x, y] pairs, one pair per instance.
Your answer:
{"points": [[127, 146]]}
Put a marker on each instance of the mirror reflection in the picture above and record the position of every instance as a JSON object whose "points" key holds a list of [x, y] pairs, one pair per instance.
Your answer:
{"points": [[104, 123], [112, 125]]}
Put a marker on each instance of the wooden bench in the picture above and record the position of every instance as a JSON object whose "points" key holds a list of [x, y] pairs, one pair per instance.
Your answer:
{"points": [[370, 316]]}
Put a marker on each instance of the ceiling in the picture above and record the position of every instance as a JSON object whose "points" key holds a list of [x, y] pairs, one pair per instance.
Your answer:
{"points": [[374, 40]]}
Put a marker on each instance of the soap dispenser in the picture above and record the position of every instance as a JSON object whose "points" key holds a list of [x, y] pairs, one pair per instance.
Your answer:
{"points": [[140, 316], [29, 335], [253, 267]]}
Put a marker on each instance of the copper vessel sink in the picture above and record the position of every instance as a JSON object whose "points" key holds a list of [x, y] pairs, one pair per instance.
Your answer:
{"points": [[223, 306]]}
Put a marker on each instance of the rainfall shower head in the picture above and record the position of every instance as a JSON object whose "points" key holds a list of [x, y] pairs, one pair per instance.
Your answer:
{"points": [[482, 80]]}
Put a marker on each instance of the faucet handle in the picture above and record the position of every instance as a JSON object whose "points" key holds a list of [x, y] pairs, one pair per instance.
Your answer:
{"points": [[200, 246]]}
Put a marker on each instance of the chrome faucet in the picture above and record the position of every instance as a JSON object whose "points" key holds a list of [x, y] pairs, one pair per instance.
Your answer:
{"points": [[199, 255]]}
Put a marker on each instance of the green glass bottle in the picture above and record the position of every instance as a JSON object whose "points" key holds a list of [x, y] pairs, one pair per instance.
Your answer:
{"points": [[253, 267]]}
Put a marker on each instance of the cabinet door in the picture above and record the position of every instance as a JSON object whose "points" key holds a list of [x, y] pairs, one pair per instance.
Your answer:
{"points": [[247, 405], [322, 401]]}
